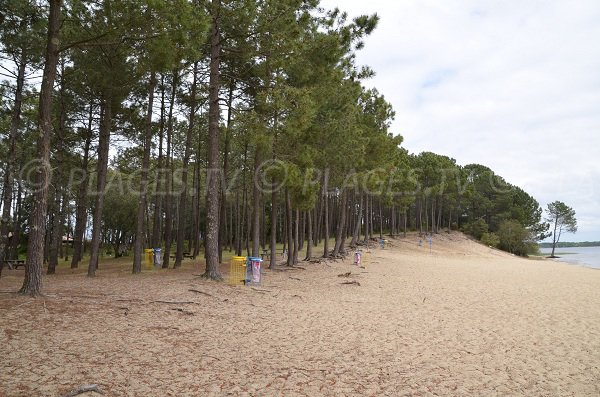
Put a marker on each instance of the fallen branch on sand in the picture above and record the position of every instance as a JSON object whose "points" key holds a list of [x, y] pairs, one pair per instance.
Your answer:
{"points": [[199, 292], [296, 278], [353, 282], [128, 300], [178, 309], [261, 290], [176, 302], [347, 274], [83, 389]]}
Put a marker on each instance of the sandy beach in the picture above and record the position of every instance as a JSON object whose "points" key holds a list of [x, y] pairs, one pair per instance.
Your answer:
{"points": [[459, 320]]}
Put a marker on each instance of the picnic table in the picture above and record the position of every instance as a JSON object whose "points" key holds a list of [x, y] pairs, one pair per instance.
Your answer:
{"points": [[266, 254], [14, 264]]}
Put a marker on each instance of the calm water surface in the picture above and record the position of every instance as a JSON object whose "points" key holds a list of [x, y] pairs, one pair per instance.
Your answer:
{"points": [[584, 256]]}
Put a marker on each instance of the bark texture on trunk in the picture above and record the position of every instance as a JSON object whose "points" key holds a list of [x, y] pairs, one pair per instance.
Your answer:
{"points": [[212, 196], [32, 284]]}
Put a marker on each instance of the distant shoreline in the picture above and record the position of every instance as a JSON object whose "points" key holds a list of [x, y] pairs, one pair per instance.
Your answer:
{"points": [[571, 244]]}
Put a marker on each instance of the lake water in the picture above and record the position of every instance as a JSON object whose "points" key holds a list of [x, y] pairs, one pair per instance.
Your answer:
{"points": [[584, 256]]}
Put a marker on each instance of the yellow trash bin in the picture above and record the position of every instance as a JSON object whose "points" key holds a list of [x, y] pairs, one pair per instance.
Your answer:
{"points": [[149, 259], [237, 270]]}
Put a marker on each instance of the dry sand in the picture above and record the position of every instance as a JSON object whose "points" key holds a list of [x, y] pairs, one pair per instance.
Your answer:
{"points": [[460, 320]]}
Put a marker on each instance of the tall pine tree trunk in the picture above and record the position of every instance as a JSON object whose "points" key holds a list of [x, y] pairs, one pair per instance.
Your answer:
{"points": [[15, 241], [102, 169], [326, 213], [296, 236], [339, 233], [140, 236], [184, 171], [160, 174], [393, 219], [212, 193], [256, 212], [58, 230], [273, 242], [169, 197], [309, 236], [367, 236], [81, 210], [195, 238], [32, 283], [355, 235], [380, 219], [237, 245], [224, 229], [289, 225]]}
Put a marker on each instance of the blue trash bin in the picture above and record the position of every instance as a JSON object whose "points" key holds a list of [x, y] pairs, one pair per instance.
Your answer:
{"points": [[253, 273], [157, 258]]}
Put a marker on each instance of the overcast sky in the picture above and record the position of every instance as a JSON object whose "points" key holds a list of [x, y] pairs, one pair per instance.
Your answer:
{"points": [[513, 85]]}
